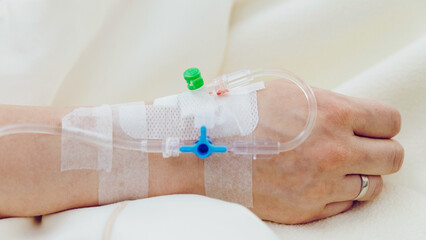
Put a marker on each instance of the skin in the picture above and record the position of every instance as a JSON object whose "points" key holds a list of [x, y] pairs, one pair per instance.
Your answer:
{"points": [[316, 180], [320, 178]]}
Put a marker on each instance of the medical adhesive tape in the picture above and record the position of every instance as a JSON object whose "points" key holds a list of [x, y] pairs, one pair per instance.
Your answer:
{"points": [[124, 174]]}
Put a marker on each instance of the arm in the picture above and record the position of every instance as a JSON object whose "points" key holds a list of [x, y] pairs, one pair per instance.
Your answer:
{"points": [[31, 182], [318, 179]]}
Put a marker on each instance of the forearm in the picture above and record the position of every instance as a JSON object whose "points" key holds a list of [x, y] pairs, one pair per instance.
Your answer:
{"points": [[31, 182]]}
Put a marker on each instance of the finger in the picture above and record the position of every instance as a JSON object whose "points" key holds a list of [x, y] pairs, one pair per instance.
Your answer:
{"points": [[375, 119], [350, 187], [375, 156], [335, 208]]}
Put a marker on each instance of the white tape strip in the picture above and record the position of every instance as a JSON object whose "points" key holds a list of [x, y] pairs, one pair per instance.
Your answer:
{"points": [[130, 169], [78, 154], [229, 177]]}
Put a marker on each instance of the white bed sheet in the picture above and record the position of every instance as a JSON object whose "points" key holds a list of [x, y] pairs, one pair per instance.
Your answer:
{"points": [[92, 52]]}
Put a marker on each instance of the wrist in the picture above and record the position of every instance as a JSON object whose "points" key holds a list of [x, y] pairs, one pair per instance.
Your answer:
{"points": [[177, 175]]}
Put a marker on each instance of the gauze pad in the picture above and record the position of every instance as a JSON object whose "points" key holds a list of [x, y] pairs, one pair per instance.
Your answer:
{"points": [[181, 116]]}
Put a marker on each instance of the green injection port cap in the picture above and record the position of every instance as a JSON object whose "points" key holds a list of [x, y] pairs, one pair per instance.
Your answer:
{"points": [[193, 78]]}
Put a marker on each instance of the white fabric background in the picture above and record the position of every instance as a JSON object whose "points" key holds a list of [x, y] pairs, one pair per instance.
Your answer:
{"points": [[92, 52]]}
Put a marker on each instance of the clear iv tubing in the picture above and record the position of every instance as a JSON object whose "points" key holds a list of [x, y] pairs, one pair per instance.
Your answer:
{"points": [[220, 84], [310, 97], [89, 137], [244, 77]]}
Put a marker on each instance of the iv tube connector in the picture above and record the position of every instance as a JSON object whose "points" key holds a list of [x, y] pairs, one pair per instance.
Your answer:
{"points": [[193, 78]]}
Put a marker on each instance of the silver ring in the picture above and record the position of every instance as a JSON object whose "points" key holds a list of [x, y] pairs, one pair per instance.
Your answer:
{"points": [[364, 187]]}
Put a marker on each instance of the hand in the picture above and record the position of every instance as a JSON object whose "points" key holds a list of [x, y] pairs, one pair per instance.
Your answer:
{"points": [[320, 178]]}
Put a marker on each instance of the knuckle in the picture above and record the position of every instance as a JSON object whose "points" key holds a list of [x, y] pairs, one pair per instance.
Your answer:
{"points": [[334, 108], [331, 157], [337, 112]]}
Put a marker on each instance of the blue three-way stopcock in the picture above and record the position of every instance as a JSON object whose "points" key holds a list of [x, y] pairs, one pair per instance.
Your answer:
{"points": [[204, 146]]}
